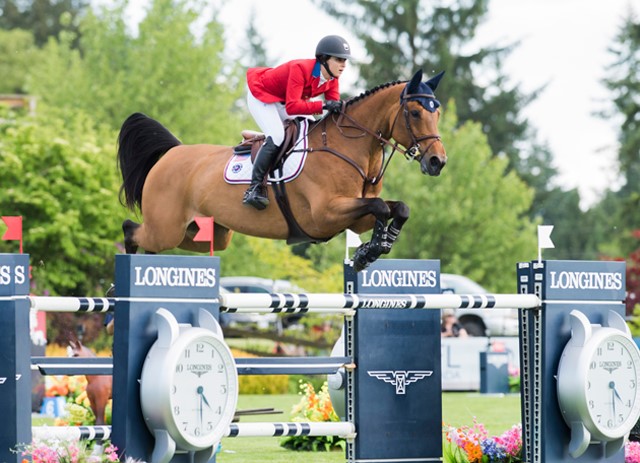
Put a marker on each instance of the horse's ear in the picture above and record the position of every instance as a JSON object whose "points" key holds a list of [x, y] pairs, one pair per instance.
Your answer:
{"points": [[435, 80], [414, 84]]}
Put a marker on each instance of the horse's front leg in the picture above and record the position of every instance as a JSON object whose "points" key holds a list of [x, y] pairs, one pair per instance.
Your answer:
{"points": [[370, 251], [399, 214], [383, 236]]}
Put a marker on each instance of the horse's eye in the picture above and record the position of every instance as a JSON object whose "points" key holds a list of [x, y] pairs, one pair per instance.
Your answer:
{"points": [[415, 113]]}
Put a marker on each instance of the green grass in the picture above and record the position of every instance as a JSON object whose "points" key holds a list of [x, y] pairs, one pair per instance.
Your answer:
{"points": [[498, 413]]}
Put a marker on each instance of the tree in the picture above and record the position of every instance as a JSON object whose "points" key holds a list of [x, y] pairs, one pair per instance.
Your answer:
{"points": [[17, 54], [41, 17], [166, 71], [624, 84], [63, 182]]}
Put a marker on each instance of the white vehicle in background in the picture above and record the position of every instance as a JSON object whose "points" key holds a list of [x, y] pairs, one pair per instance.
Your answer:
{"points": [[479, 322], [248, 284]]}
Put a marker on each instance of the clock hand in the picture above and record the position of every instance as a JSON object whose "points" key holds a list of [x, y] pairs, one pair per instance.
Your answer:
{"points": [[612, 385], [201, 392], [200, 409]]}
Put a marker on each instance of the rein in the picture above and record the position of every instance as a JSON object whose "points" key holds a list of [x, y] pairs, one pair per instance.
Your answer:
{"points": [[412, 153]]}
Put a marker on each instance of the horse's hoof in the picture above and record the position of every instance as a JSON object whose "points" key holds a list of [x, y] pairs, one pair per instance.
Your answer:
{"points": [[362, 258]]}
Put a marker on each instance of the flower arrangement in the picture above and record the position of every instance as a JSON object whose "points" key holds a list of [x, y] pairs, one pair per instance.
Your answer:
{"points": [[313, 406], [472, 444], [78, 406], [61, 451], [632, 452]]}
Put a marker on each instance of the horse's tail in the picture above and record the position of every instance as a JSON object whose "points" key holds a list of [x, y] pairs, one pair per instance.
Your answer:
{"points": [[142, 141]]}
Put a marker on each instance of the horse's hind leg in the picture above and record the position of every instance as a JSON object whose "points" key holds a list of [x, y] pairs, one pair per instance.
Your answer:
{"points": [[129, 228]]}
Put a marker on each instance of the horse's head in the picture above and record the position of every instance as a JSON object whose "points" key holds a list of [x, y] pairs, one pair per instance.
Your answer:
{"points": [[420, 133], [77, 349]]}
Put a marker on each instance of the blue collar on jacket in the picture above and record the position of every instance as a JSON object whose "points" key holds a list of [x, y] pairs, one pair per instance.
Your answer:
{"points": [[316, 70]]}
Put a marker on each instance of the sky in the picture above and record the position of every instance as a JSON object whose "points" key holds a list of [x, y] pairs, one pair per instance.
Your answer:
{"points": [[563, 45]]}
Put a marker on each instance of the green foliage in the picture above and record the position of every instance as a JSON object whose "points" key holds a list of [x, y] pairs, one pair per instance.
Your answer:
{"points": [[44, 18], [624, 85], [314, 406], [62, 180], [17, 54], [263, 384], [473, 216], [634, 324], [166, 71], [275, 260]]}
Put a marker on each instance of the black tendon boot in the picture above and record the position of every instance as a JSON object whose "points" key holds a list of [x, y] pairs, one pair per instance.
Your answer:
{"points": [[256, 194]]}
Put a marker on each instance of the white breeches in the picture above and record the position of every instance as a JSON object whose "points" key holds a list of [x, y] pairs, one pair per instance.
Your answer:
{"points": [[269, 117]]}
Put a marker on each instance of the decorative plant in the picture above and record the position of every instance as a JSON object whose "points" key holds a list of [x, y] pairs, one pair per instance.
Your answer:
{"points": [[61, 451], [632, 452], [473, 445], [314, 407]]}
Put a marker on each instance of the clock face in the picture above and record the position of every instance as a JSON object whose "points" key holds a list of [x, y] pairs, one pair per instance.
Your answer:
{"points": [[200, 397], [612, 385]]}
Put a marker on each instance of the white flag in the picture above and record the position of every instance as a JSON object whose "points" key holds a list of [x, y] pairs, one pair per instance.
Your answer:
{"points": [[544, 237], [353, 239]]}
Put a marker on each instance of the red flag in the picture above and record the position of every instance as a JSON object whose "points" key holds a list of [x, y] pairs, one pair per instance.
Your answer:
{"points": [[14, 229], [206, 231]]}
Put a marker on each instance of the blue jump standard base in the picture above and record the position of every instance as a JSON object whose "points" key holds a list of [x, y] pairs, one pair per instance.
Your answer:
{"points": [[394, 396], [562, 286]]}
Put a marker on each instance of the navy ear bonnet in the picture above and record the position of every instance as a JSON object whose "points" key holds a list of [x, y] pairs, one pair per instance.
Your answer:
{"points": [[422, 92]]}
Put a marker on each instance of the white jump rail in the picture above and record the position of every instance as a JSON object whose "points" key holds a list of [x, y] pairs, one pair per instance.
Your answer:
{"points": [[262, 302], [311, 302], [340, 429]]}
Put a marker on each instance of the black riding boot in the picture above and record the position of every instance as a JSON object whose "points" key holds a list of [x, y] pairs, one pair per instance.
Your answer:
{"points": [[256, 194]]}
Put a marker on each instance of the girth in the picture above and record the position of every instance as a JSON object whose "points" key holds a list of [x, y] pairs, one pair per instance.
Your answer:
{"points": [[252, 141]]}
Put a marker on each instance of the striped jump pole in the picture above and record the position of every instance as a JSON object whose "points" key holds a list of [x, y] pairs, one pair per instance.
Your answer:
{"points": [[262, 302], [72, 304], [311, 429], [71, 432], [309, 302]]}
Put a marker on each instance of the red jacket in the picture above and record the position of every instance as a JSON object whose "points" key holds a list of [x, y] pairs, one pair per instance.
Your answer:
{"points": [[292, 83]]}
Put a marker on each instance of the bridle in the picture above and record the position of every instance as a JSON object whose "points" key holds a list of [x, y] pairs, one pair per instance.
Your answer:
{"points": [[412, 153]]}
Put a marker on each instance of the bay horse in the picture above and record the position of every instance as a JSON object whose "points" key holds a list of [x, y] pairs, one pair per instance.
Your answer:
{"points": [[338, 188], [99, 387]]}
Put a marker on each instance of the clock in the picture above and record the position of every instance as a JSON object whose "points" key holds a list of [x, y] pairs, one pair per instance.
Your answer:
{"points": [[188, 387], [598, 383]]}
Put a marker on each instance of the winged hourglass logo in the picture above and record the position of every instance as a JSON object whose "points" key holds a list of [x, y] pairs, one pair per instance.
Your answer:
{"points": [[400, 378]]}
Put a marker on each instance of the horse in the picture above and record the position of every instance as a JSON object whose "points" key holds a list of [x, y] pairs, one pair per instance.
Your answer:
{"points": [[99, 387], [338, 189]]}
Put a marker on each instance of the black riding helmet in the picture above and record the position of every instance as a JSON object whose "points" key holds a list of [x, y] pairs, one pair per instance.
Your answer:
{"points": [[332, 45]]}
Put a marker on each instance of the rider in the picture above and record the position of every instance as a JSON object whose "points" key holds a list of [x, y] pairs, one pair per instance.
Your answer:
{"points": [[284, 92]]}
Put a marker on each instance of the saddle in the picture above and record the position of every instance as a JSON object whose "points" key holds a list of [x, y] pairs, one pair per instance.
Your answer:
{"points": [[252, 141]]}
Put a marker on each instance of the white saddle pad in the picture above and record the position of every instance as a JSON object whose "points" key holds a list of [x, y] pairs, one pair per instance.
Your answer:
{"points": [[239, 167]]}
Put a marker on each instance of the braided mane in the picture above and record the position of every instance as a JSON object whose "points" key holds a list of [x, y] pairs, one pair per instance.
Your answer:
{"points": [[366, 93]]}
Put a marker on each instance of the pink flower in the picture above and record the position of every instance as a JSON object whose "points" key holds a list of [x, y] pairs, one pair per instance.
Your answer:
{"points": [[632, 452]]}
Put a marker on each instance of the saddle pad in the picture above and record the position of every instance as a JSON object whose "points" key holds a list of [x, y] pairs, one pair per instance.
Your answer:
{"points": [[240, 167]]}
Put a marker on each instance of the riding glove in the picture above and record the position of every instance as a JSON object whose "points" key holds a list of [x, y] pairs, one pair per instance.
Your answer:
{"points": [[333, 106]]}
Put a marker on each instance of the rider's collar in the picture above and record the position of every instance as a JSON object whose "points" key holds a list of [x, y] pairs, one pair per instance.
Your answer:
{"points": [[316, 70]]}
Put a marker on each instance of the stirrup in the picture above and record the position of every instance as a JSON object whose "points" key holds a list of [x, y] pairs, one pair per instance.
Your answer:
{"points": [[255, 196]]}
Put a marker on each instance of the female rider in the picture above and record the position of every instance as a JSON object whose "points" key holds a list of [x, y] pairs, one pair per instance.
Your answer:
{"points": [[284, 92]]}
